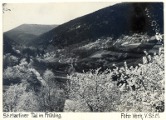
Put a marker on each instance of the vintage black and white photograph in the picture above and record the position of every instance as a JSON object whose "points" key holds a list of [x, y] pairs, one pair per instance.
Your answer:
{"points": [[83, 57]]}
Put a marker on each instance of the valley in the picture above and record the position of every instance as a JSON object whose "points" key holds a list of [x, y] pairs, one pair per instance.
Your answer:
{"points": [[103, 50]]}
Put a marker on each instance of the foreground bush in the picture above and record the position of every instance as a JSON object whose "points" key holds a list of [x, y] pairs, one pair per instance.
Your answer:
{"points": [[135, 89], [17, 98]]}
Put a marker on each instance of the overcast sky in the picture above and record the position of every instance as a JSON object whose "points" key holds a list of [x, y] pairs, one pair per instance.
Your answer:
{"points": [[50, 13]]}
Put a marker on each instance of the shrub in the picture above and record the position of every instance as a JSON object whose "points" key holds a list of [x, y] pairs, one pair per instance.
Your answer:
{"points": [[139, 89], [16, 99], [94, 90]]}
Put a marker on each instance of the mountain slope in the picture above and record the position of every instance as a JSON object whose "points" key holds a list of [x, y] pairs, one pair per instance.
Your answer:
{"points": [[23, 34], [111, 35], [115, 34], [35, 29], [123, 18]]}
